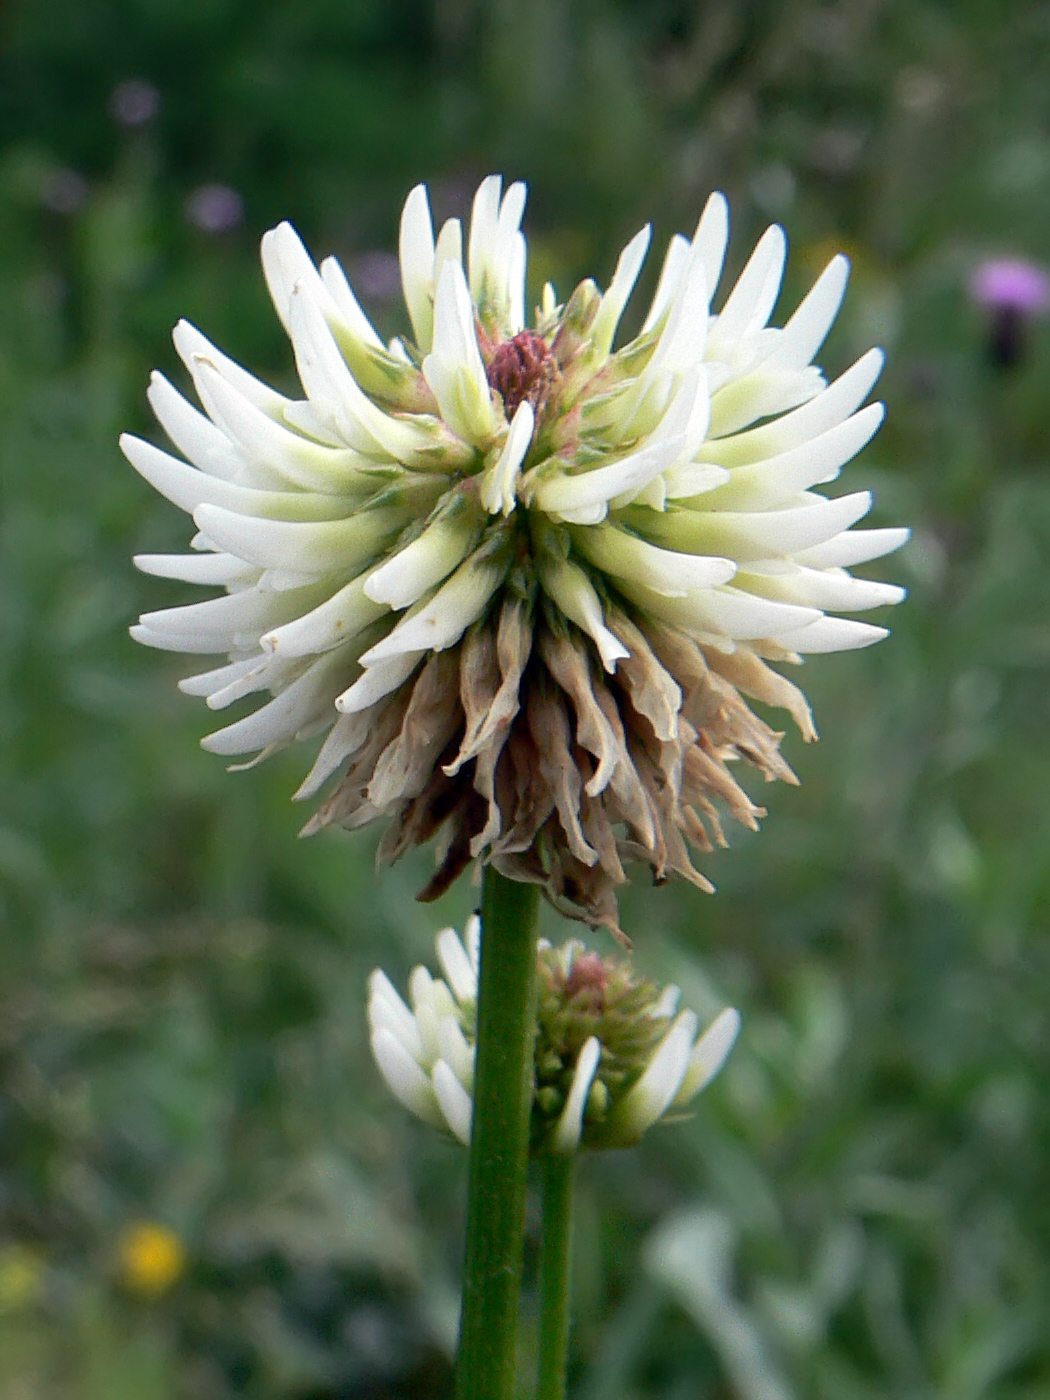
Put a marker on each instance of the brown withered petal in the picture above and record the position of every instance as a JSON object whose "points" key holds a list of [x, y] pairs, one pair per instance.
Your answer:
{"points": [[516, 747]]}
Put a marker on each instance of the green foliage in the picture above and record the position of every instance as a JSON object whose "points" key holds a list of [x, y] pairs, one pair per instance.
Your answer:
{"points": [[859, 1207]]}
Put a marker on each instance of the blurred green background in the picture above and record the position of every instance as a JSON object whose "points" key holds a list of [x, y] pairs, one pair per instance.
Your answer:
{"points": [[204, 1190]]}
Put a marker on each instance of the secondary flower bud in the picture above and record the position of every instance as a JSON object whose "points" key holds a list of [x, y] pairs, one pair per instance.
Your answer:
{"points": [[613, 1055]]}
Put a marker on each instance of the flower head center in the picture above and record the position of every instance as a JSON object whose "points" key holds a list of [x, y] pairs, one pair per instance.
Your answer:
{"points": [[523, 368]]}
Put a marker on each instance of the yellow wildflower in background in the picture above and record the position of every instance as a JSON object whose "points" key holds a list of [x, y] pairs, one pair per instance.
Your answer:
{"points": [[152, 1258]]}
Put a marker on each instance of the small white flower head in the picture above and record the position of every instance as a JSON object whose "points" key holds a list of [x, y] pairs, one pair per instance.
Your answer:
{"points": [[521, 578], [613, 1054]]}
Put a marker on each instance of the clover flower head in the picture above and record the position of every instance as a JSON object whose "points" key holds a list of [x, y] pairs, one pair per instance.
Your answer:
{"points": [[520, 577], [613, 1054]]}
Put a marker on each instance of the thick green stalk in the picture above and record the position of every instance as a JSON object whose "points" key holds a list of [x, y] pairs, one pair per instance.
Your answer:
{"points": [[499, 1140], [555, 1276]]}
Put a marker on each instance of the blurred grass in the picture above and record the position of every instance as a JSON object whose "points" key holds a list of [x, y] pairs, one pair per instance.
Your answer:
{"points": [[859, 1209]]}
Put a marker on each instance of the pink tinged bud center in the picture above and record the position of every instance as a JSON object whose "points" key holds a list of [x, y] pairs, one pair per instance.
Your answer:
{"points": [[589, 974], [523, 368]]}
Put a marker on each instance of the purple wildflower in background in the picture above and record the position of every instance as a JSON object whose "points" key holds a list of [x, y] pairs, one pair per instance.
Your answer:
{"points": [[214, 208], [134, 102], [63, 191], [1012, 292]]}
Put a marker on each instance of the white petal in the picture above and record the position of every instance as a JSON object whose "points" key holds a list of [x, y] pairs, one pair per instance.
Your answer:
{"points": [[311, 547], [265, 673], [194, 435], [456, 1052], [376, 682], [305, 700], [197, 568], [312, 465], [382, 992], [189, 488], [724, 612], [167, 641], [456, 965], [288, 267], [831, 591], [484, 222], [567, 493], [569, 587], [338, 619], [244, 613], [443, 620], [805, 332], [569, 1127], [628, 266], [650, 1098], [827, 409], [626, 556], [712, 237], [455, 1102], [747, 535], [335, 393], [676, 262], [682, 341], [208, 682], [449, 247], [832, 634], [417, 264], [191, 346], [472, 941], [498, 484], [516, 285], [454, 368], [854, 547], [668, 1003], [708, 1056], [750, 303], [405, 1079], [420, 566], [764, 485], [351, 318]]}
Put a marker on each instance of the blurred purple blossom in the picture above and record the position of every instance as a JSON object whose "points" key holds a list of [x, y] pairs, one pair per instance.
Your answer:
{"points": [[63, 191], [214, 208], [377, 274], [1011, 284], [134, 102]]}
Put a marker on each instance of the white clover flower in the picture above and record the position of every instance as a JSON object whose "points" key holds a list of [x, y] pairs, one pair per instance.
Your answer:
{"points": [[521, 578], [613, 1054]]}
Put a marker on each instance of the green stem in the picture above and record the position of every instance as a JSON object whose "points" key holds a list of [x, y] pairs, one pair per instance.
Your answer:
{"points": [[555, 1276], [499, 1140]]}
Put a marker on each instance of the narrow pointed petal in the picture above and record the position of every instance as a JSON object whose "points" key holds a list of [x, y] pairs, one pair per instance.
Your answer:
{"points": [[613, 303], [417, 264], [197, 568], [310, 547], [456, 1106], [751, 301], [498, 489], [573, 592], [194, 435], [854, 547], [650, 1098], [708, 1056], [832, 634], [626, 556], [456, 965], [569, 1127], [406, 1081], [377, 680], [444, 619]]}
